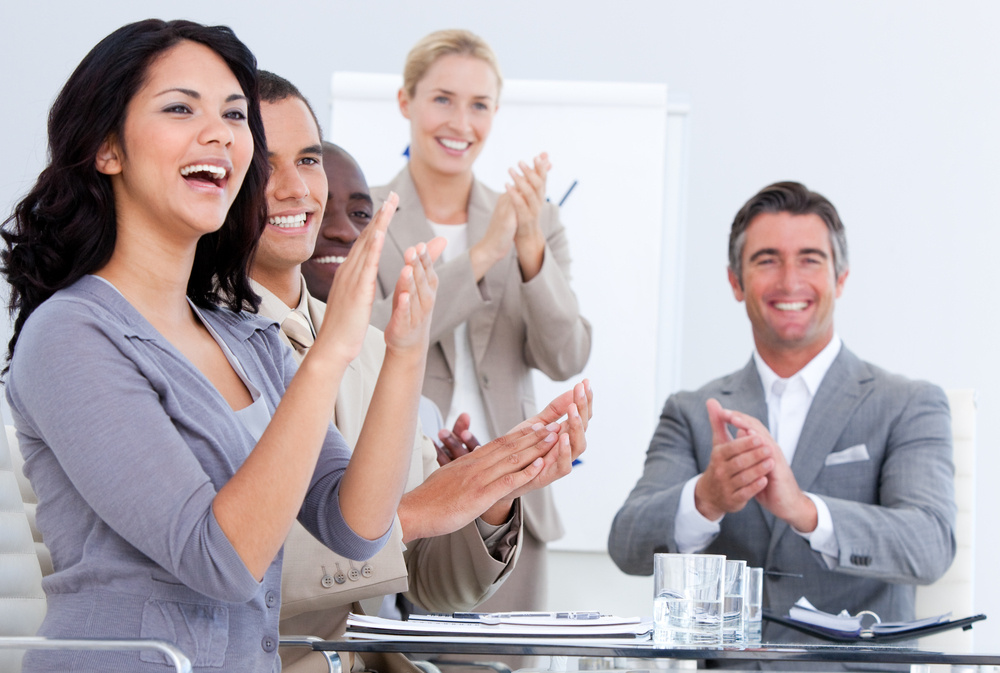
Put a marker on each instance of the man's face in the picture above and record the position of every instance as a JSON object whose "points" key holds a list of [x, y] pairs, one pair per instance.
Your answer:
{"points": [[296, 190], [789, 283], [348, 211]]}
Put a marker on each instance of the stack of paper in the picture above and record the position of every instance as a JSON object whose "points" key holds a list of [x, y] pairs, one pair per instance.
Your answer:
{"points": [[498, 625], [804, 611], [902, 627], [851, 625]]}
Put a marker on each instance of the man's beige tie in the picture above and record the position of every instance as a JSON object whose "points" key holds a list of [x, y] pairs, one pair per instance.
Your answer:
{"points": [[296, 328]]}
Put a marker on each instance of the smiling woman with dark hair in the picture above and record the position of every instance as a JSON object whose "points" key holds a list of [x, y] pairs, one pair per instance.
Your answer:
{"points": [[167, 472]]}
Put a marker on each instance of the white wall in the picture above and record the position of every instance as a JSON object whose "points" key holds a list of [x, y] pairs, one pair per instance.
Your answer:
{"points": [[890, 109]]}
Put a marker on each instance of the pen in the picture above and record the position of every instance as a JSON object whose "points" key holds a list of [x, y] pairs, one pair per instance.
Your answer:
{"points": [[566, 195], [518, 615]]}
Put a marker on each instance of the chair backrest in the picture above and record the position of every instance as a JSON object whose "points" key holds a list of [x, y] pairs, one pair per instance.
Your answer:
{"points": [[954, 592], [29, 499], [22, 601]]}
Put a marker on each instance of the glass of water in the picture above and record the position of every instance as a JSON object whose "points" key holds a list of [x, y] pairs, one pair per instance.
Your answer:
{"points": [[733, 606], [687, 599], [754, 599]]}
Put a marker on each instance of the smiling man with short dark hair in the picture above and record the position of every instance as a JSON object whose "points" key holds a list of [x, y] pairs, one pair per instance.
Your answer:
{"points": [[839, 478]]}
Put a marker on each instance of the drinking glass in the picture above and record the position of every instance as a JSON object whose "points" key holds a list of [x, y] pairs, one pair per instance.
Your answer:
{"points": [[687, 599], [754, 599], [733, 607]]}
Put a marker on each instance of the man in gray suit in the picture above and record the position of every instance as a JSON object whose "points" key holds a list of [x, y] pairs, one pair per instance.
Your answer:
{"points": [[838, 480]]}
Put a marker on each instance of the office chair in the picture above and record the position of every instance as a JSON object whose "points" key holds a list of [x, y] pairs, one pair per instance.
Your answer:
{"points": [[22, 601], [955, 591]]}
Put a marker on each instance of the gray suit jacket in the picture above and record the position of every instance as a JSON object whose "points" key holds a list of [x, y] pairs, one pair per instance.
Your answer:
{"points": [[513, 326], [893, 513]]}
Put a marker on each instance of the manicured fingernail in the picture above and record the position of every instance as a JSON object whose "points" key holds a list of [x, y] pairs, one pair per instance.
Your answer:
{"points": [[538, 462], [551, 438], [552, 427], [537, 426]]}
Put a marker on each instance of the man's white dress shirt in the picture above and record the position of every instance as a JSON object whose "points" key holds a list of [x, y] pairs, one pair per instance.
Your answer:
{"points": [[788, 401]]}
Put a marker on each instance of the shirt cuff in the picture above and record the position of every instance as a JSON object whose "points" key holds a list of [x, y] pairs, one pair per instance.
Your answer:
{"points": [[692, 531], [501, 540], [823, 539]]}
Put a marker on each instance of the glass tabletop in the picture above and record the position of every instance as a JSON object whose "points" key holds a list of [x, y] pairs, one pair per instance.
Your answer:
{"points": [[868, 653]]}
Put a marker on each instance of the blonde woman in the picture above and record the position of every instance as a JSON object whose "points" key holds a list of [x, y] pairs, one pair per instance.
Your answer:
{"points": [[505, 304]]}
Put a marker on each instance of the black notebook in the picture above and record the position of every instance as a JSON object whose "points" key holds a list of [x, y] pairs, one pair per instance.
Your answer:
{"points": [[883, 634]]}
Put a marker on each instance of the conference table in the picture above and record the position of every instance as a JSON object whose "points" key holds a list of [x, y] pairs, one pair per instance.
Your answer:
{"points": [[561, 650]]}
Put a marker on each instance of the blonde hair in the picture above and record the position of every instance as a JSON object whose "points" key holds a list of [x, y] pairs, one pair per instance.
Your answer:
{"points": [[442, 43]]}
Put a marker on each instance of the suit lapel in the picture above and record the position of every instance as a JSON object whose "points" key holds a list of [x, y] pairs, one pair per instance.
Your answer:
{"points": [[481, 206], [409, 227], [846, 385], [745, 393]]}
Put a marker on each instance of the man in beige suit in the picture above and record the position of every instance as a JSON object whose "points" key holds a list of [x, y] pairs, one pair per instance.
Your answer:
{"points": [[461, 525]]}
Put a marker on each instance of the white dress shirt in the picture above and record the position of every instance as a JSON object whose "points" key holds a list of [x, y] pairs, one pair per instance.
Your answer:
{"points": [[788, 401]]}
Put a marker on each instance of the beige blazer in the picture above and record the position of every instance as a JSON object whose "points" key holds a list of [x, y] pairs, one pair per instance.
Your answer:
{"points": [[446, 573], [513, 326]]}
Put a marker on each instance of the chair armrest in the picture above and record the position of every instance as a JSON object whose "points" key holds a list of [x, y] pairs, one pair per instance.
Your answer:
{"points": [[334, 661], [177, 658]]}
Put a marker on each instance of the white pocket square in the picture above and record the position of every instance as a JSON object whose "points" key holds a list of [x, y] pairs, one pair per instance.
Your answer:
{"points": [[849, 455]]}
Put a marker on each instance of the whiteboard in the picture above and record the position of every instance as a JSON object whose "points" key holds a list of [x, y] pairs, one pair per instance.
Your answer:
{"points": [[610, 139]]}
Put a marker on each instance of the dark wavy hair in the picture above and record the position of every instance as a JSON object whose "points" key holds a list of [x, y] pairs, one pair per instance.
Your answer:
{"points": [[65, 227]]}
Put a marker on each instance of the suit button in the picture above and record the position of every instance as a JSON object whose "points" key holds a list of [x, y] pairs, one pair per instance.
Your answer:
{"points": [[267, 644], [270, 599], [367, 570], [327, 581], [353, 574]]}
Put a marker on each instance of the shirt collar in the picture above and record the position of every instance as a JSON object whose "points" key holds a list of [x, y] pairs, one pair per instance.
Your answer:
{"points": [[277, 310], [303, 306], [812, 374]]}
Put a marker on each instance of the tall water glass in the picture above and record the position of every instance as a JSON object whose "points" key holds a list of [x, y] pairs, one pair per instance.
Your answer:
{"points": [[687, 599], [733, 607], [754, 599]]}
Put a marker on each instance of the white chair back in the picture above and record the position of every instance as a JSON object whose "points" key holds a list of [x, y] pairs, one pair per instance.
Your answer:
{"points": [[23, 557], [22, 601], [29, 499], [954, 592]]}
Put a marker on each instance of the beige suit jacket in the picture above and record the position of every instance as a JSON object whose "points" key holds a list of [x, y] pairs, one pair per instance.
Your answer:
{"points": [[513, 326], [446, 573]]}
